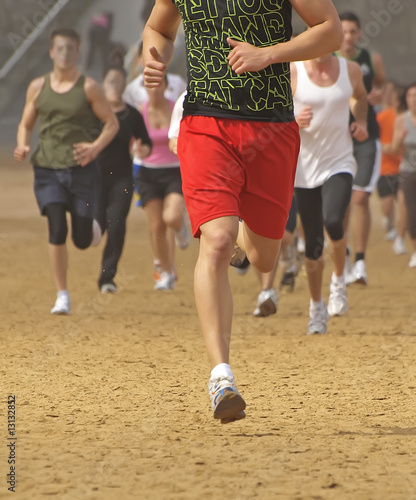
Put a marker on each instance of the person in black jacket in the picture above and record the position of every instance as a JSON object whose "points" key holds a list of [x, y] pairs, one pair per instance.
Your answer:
{"points": [[117, 185]]}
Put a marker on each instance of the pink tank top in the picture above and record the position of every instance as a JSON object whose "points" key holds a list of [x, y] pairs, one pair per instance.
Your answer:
{"points": [[161, 156]]}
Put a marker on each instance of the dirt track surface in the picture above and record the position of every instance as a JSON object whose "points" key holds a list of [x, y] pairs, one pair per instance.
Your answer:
{"points": [[112, 400]]}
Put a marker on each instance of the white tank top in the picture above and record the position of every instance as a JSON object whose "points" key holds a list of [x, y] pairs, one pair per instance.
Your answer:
{"points": [[326, 145]]}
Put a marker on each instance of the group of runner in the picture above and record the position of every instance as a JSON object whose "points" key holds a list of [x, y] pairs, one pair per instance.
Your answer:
{"points": [[238, 150]]}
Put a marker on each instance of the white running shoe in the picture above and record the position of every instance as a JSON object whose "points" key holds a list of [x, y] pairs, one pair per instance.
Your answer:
{"points": [[300, 246], [226, 402], [96, 233], [412, 262], [266, 303], [318, 317], [62, 304], [338, 301], [399, 247], [109, 287], [358, 274], [166, 281], [182, 237], [390, 235]]}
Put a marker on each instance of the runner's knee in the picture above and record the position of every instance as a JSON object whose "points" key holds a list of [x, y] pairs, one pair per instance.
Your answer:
{"points": [[58, 228], [81, 232], [335, 229]]}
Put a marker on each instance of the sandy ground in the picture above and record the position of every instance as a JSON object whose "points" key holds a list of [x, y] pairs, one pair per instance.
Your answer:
{"points": [[112, 400]]}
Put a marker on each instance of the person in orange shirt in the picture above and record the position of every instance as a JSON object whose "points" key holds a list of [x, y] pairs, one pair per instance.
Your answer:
{"points": [[388, 183]]}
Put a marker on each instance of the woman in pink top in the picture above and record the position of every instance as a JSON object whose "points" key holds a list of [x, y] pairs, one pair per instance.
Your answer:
{"points": [[160, 186]]}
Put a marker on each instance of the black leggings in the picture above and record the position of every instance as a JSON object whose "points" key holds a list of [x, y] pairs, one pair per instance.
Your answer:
{"points": [[113, 207], [324, 206], [58, 228], [408, 186]]}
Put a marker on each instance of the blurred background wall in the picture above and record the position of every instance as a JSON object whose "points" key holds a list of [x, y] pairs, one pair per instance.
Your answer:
{"points": [[388, 28]]}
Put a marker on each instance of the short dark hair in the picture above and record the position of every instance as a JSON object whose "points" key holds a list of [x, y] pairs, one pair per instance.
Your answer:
{"points": [[350, 16], [66, 33]]}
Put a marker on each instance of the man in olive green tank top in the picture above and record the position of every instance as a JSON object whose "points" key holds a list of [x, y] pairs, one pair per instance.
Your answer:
{"points": [[69, 107]]}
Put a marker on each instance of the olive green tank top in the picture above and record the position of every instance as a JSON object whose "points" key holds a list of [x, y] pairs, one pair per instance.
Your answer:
{"points": [[65, 119]]}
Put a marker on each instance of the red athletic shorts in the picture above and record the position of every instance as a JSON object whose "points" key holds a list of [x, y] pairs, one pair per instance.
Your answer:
{"points": [[237, 167]]}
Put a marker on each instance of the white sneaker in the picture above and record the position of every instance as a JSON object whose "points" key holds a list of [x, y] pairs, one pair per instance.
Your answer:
{"points": [[390, 235], [358, 274], [96, 233], [266, 303], [62, 304], [166, 281], [300, 246], [109, 287], [182, 237], [412, 262], [318, 317], [399, 247], [338, 301], [226, 402]]}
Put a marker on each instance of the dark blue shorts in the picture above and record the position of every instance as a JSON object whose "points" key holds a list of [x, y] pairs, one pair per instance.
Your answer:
{"points": [[75, 187]]}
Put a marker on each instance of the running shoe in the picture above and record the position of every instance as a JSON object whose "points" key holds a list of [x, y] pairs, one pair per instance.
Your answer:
{"points": [[412, 262], [266, 303], [109, 287], [358, 274], [96, 233], [390, 235], [300, 246], [338, 301], [182, 237], [166, 281], [243, 268], [238, 257], [318, 317], [226, 402], [399, 248], [288, 280], [62, 305]]}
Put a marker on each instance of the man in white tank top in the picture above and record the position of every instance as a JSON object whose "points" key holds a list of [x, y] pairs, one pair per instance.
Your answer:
{"points": [[324, 90]]}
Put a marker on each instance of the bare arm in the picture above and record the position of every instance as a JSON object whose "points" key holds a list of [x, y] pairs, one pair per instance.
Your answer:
{"points": [[324, 36], [28, 121], [304, 116], [86, 152], [376, 95], [158, 38], [399, 134], [358, 102]]}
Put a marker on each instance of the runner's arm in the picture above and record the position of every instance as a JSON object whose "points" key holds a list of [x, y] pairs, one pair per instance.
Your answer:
{"points": [[28, 120], [358, 102], [324, 36], [376, 95], [158, 39], [399, 135]]}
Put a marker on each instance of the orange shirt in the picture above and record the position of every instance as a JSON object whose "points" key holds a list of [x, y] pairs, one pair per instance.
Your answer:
{"points": [[389, 163]]}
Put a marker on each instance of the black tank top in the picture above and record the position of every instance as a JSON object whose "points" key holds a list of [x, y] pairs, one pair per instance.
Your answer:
{"points": [[364, 59], [213, 88]]}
